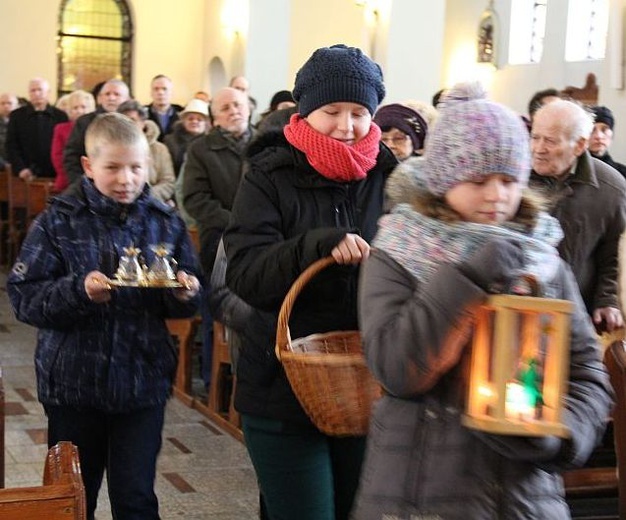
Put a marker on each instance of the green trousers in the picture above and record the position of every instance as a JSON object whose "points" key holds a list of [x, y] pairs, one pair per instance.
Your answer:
{"points": [[303, 473]]}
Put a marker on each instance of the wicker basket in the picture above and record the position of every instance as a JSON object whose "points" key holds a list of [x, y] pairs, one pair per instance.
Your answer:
{"points": [[327, 372]]}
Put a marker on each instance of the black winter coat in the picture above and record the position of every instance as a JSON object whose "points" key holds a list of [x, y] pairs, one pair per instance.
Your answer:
{"points": [[29, 139], [75, 146], [285, 217]]}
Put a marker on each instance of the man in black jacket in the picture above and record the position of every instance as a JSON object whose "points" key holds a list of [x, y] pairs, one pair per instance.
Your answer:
{"points": [[29, 134], [162, 111], [602, 137]]}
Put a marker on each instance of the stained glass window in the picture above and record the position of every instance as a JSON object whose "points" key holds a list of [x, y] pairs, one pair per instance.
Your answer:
{"points": [[94, 43]]}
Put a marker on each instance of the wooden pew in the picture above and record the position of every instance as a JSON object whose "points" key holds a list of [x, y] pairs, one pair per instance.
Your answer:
{"points": [[61, 497], [219, 405], [2, 443], [223, 382], [26, 199], [601, 489], [184, 331]]}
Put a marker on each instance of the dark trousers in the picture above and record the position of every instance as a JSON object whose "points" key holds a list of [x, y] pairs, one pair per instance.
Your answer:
{"points": [[126, 446], [206, 365], [303, 473]]}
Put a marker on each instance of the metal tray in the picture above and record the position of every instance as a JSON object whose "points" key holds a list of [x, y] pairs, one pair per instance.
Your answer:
{"points": [[147, 284]]}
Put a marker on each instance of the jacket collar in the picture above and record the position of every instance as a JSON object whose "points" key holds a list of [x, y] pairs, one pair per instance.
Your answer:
{"points": [[584, 173], [48, 110], [218, 139], [82, 195]]}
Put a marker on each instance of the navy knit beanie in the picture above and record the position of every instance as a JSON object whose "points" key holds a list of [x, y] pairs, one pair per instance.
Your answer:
{"points": [[281, 96], [335, 74], [603, 115]]}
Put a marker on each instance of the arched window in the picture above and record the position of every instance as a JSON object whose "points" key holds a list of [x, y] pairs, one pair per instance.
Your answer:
{"points": [[94, 43]]}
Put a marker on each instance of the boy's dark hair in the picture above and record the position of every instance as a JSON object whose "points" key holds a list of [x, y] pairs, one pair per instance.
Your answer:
{"points": [[112, 128], [96, 89], [535, 102]]}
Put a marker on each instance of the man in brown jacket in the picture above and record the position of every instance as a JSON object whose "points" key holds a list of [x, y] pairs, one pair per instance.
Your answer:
{"points": [[588, 197]]}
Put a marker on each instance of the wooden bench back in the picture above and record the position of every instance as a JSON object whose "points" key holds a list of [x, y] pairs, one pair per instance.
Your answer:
{"points": [[615, 359], [61, 497], [24, 201]]}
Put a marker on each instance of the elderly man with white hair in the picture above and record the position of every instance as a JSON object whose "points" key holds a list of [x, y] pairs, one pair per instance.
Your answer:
{"points": [[588, 197]]}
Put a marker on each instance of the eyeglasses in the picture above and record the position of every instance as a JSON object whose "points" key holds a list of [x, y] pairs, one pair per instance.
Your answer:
{"points": [[396, 139]]}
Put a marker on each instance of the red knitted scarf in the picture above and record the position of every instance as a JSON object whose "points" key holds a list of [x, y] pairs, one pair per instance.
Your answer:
{"points": [[331, 158]]}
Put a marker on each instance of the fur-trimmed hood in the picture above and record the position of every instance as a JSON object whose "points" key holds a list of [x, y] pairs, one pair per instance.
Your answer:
{"points": [[151, 131]]}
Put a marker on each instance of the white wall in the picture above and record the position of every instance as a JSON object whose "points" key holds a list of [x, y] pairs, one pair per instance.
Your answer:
{"points": [[414, 50], [28, 44], [514, 85], [612, 81], [268, 50], [406, 40], [167, 41]]}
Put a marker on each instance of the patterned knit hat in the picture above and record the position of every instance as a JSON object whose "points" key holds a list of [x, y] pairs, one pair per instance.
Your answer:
{"points": [[404, 119], [335, 74], [474, 137]]}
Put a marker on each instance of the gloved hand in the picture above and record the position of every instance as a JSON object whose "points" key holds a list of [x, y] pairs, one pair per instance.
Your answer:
{"points": [[494, 265], [527, 449]]}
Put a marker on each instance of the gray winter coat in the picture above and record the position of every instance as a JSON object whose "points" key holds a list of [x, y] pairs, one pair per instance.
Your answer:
{"points": [[421, 462]]}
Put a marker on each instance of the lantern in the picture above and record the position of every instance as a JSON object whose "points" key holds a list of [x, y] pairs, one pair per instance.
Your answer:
{"points": [[519, 366]]}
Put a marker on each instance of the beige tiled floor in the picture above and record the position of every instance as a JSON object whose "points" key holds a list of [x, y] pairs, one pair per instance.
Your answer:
{"points": [[203, 473]]}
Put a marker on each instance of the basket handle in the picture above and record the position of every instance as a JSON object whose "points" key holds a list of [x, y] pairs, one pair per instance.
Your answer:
{"points": [[282, 329]]}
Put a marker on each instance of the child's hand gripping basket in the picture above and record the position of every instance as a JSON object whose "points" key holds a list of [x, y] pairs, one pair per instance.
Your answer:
{"points": [[327, 372]]}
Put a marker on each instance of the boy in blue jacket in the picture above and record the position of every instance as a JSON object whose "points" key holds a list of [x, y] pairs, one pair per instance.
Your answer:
{"points": [[105, 361]]}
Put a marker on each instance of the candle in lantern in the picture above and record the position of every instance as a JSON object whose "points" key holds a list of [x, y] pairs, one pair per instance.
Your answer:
{"points": [[520, 403]]}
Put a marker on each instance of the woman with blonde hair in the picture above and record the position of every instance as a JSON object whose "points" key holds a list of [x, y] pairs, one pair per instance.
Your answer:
{"points": [[79, 102]]}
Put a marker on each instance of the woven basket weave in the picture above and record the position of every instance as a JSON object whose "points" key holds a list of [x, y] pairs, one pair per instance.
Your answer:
{"points": [[327, 371]]}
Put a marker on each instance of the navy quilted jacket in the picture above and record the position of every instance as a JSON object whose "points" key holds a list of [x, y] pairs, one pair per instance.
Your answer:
{"points": [[116, 356]]}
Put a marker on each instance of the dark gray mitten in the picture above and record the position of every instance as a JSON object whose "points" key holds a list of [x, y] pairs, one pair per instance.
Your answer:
{"points": [[494, 265]]}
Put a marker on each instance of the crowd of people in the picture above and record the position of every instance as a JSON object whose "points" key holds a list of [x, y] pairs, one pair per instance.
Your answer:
{"points": [[426, 209]]}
